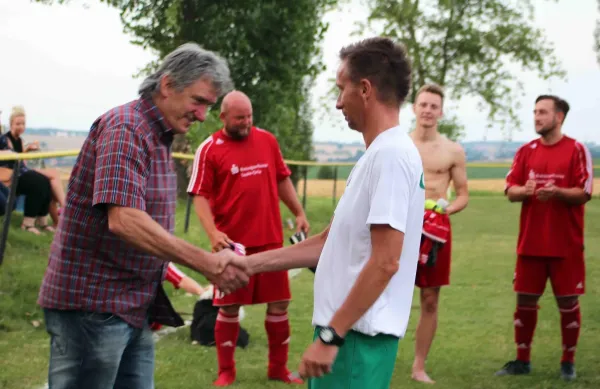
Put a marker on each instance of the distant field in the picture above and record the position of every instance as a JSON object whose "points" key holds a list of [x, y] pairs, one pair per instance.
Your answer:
{"points": [[480, 178], [324, 188], [473, 172]]}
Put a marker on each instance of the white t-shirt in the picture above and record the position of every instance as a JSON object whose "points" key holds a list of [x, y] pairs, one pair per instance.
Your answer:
{"points": [[386, 186]]}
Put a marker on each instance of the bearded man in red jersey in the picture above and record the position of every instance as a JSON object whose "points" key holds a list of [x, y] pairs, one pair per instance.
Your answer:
{"points": [[238, 179], [552, 176]]}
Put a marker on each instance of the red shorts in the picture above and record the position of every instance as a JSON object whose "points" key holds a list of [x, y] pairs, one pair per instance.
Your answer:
{"points": [[263, 288], [438, 274], [567, 275]]}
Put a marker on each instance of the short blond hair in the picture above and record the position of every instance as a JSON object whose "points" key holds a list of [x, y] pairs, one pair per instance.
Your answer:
{"points": [[16, 112], [431, 88]]}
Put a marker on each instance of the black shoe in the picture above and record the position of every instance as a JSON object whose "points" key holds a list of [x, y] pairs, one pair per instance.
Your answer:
{"points": [[567, 371], [515, 368]]}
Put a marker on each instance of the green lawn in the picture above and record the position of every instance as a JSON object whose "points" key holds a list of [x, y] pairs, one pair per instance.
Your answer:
{"points": [[473, 172], [474, 339]]}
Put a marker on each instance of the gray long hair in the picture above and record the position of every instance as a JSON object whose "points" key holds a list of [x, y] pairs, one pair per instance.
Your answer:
{"points": [[187, 64]]}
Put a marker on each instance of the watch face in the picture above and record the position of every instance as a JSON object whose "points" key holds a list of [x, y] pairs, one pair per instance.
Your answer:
{"points": [[326, 335]]}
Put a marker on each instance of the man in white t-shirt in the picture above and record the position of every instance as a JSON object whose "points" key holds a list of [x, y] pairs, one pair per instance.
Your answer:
{"points": [[367, 258]]}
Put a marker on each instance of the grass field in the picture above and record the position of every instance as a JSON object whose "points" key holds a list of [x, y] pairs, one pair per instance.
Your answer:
{"points": [[324, 188], [478, 172], [474, 339]]}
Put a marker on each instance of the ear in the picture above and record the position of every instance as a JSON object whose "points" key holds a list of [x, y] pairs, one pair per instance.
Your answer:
{"points": [[222, 116], [366, 89], [165, 86]]}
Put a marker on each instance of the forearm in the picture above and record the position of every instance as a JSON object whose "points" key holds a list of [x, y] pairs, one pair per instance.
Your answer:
{"points": [[516, 194], [369, 285], [460, 203], [572, 196], [302, 255], [139, 230], [287, 194], [190, 286], [204, 213]]}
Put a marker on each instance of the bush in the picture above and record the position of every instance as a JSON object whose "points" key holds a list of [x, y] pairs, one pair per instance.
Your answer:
{"points": [[325, 173]]}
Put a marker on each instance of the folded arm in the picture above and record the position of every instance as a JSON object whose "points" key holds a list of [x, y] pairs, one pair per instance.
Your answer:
{"points": [[387, 245], [573, 196], [517, 193]]}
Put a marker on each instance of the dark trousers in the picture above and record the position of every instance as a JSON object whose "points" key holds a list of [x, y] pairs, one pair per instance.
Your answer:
{"points": [[36, 189]]}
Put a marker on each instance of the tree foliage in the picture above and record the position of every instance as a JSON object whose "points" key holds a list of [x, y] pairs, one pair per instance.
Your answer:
{"points": [[272, 48], [471, 47], [325, 172], [597, 36]]}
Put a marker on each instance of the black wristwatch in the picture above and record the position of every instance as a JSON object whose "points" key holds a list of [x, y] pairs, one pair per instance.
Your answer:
{"points": [[329, 337]]}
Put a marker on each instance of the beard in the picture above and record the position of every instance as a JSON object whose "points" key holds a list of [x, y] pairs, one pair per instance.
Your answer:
{"points": [[547, 129], [237, 133]]}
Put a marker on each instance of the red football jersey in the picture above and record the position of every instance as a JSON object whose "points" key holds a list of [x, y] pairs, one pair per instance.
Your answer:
{"points": [[552, 228], [240, 179]]}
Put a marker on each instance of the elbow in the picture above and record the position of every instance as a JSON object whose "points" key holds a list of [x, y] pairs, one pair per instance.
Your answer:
{"points": [[512, 197], [389, 268], [116, 223], [465, 200], [584, 199]]}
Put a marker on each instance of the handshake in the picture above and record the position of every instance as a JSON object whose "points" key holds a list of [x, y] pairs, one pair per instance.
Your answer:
{"points": [[231, 271]]}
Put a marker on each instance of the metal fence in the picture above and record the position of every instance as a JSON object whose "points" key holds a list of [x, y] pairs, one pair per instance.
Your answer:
{"points": [[19, 157], [305, 165]]}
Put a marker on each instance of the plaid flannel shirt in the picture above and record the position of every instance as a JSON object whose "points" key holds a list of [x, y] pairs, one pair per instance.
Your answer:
{"points": [[125, 161]]}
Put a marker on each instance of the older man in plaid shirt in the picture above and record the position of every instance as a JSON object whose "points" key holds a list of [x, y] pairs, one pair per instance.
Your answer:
{"points": [[102, 286]]}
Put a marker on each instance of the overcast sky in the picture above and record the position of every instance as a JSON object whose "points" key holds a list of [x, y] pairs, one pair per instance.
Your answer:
{"points": [[68, 64]]}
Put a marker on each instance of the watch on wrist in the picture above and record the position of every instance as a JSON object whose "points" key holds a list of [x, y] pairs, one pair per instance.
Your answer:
{"points": [[329, 337]]}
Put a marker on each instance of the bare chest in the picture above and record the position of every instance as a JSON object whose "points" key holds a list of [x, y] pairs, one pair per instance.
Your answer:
{"points": [[436, 158]]}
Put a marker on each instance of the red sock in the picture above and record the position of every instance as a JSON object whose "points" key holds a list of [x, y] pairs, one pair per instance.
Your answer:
{"points": [[570, 323], [525, 322], [278, 332], [227, 329]]}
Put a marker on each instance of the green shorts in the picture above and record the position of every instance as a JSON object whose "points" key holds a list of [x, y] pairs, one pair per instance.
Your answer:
{"points": [[362, 362]]}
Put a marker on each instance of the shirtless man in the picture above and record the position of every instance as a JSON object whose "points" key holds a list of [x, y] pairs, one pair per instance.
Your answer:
{"points": [[443, 161]]}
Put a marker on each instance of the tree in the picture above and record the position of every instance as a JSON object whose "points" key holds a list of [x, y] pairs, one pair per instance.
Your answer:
{"points": [[325, 172], [597, 36], [471, 47], [272, 48]]}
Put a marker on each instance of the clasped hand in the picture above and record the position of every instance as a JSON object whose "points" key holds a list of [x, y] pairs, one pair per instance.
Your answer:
{"points": [[546, 192], [232, 273], [543, 193]]}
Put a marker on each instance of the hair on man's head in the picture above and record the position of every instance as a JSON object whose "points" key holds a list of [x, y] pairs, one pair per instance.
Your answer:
{"points": [[560, 105], [384, 63]]}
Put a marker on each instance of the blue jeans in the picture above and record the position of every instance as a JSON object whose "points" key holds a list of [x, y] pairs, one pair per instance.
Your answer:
{"points": [[98, 351]]}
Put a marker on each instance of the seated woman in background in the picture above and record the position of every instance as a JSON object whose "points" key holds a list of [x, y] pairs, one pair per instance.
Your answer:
{"points": [[4, 192], [36, 189], [12, 140]]}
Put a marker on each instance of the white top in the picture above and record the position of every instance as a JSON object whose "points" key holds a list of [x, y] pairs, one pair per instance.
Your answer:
{"points": [[386, 186]]}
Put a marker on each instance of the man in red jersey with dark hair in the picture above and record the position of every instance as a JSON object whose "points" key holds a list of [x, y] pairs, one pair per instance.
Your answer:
{"points": [[238, 178], [552, 176]]}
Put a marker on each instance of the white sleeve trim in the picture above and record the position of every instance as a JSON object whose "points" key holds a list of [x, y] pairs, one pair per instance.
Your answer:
{"points": [[199, 164]]}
